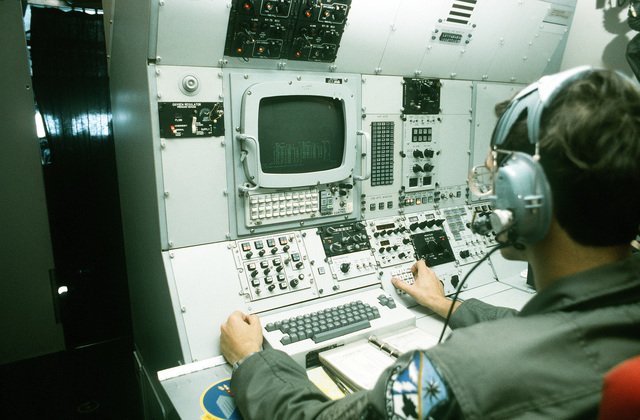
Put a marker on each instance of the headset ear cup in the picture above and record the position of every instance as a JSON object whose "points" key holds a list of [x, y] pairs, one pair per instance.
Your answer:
{"points": [[521, 187]]}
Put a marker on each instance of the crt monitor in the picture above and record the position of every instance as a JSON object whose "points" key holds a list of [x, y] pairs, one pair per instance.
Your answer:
{"points": [[296, 133]]}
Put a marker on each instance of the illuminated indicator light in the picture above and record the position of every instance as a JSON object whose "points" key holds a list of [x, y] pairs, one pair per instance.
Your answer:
{"points": [[239, 50], [247, 6], [307, 13], [298, 53]]}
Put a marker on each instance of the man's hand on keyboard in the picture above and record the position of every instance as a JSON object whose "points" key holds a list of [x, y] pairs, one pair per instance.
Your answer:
{"points": [[427, 289], [240, 336]]}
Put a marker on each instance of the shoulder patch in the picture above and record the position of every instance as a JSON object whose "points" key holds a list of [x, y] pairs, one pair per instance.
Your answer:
{"points": [[417, 391]]}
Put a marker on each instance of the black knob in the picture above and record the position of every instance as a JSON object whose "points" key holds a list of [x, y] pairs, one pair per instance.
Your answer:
{"points": [[428, 153], [261, 253], [299, 264], [417, 154], [294, 282], [381, 250], [249, 255], [286, 248], [267, 271], [254, 273], [423, 224], [430, 223], [417, 168], [402, 255], [271, 287], [428, 167], [279, 268], [413, 226], [344, 267], [274, 250], [465, 253], [406, 241]]}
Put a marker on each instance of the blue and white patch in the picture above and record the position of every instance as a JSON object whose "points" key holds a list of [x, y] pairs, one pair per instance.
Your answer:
{"points": [[416, 392]]}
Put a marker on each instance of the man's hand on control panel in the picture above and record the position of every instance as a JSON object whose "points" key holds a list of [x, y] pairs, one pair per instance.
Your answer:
{"points": [[240, 336], [427, 289]]}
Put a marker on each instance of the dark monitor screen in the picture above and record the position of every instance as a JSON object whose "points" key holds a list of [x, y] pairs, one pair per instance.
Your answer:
{"points": [[300, 134]]}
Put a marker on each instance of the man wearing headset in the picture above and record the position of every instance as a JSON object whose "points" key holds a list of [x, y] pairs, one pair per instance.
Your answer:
{"points": [[564, 180]]}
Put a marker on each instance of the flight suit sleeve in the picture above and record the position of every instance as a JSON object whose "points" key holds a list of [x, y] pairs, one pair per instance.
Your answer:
{"points": [[473, 311], [271, 385]]}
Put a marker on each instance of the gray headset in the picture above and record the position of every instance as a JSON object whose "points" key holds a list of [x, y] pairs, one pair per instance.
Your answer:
{"points": [[521, 200]]}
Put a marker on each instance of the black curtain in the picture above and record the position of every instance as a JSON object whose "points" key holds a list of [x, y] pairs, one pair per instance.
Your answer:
{"points": [[71, 88]]}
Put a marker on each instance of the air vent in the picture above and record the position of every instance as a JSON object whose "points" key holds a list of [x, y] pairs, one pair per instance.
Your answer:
{"points": [[461, 11]]}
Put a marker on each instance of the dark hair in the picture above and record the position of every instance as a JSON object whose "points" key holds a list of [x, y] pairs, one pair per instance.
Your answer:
{"points": [[590, 152]]}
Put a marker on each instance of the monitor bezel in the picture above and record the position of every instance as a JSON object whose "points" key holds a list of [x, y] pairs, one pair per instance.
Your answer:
{"points": [[250, 115]]}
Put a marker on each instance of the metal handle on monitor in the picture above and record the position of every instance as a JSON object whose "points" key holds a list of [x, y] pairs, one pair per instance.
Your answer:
{"points": [[252, 179], [366, 146]]}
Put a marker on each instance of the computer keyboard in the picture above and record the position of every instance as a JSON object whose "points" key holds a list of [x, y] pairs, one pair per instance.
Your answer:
{"points": [[326, 324], [338, 320]]}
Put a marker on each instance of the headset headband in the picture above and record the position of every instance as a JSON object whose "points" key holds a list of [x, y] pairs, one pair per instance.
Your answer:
{"points": [[534, 99]]}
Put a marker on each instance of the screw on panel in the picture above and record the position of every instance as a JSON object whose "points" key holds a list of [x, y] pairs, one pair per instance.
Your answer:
{"points": [[172, 255], [183, 309], [158, 59], [228, 235], [166, 193], [171, 244]]}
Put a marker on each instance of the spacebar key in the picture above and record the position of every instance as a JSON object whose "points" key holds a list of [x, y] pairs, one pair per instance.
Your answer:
{"points": [[337, 332]]}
